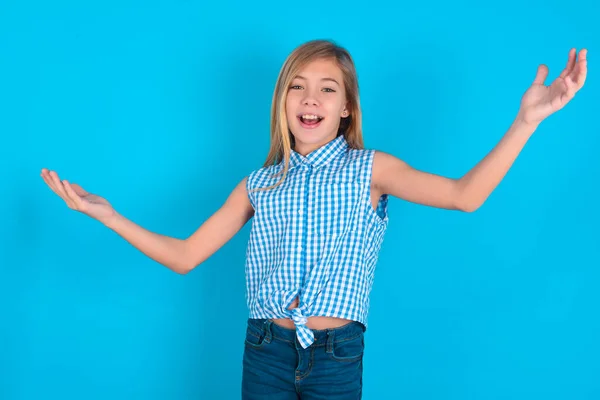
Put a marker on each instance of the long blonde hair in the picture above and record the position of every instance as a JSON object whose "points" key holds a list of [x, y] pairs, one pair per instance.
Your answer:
{"points": [[350, 127]]}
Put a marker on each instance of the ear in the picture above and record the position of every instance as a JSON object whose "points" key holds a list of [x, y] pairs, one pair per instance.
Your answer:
{"points": [[345, 112]]}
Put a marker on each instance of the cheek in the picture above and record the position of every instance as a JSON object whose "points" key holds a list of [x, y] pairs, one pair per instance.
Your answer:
{"points": [[334, 109], [291, 116], [290, 107], [334, 105]]}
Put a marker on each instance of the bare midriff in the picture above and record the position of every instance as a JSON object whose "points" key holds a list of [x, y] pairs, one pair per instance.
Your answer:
{"points": [[312, 322]]}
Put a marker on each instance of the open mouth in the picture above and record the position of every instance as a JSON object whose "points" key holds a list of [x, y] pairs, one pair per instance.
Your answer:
{"points": [[310, 121]]}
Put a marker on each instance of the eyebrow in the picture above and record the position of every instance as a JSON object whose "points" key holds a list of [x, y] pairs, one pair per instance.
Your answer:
{"points": [[322, 79]]}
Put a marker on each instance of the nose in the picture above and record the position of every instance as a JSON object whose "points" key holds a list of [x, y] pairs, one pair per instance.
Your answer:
{"points": [[310, 99]]}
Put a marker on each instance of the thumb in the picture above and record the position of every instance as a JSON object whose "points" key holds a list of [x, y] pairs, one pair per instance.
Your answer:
{"points": [[542, 74]]}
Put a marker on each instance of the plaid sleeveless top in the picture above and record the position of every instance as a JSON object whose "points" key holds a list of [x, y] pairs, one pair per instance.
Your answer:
{"points": [[316, 236]]}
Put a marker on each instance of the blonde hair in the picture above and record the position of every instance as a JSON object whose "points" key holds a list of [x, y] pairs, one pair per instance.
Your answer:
{"points": [[350, 127]]}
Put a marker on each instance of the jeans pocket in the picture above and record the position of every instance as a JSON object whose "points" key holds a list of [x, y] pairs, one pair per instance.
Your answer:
{"points": [[255, 336], [348, 350]]}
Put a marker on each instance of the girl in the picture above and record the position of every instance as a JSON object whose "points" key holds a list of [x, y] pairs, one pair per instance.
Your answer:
{"points": [[320, 213]]}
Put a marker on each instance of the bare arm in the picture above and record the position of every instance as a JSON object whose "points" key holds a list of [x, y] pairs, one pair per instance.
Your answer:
{"points": [[176, 254], [219, 228], [182, 256], [394, 176]]}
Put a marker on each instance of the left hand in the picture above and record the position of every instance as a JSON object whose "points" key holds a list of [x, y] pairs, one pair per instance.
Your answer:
{"points": [[540, 101]]}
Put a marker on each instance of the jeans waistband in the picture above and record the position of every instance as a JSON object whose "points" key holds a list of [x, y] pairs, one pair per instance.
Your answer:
{"points": [[322, 336]]}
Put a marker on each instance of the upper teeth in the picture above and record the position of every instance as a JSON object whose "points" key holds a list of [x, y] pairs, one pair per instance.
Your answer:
{"points": [[309, 116]]}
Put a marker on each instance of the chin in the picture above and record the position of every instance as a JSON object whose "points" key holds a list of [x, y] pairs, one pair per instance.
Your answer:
{"points": [[311, 139]]}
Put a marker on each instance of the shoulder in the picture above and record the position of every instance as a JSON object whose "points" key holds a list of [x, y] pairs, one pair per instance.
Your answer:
{"points": [[376, 160], [364, 157], [382, 159], [263, 175], [386, 166]]}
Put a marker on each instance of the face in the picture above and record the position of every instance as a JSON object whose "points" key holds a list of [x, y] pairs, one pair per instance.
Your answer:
{"points": [[315, 103]]}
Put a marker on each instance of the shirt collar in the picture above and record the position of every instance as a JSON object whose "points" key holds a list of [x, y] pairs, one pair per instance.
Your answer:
{"points": [[322, 155]]}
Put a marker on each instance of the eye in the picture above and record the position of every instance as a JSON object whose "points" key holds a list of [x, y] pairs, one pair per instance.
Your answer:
{"points": [[329, 90], [296, 87]]}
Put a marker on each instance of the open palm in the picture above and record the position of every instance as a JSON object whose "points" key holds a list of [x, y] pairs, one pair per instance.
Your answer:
{"points": [[77, 198], [540, 101]]}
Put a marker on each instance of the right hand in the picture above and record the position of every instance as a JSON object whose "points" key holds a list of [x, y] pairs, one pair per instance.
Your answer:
{"points": [[77, 198]]}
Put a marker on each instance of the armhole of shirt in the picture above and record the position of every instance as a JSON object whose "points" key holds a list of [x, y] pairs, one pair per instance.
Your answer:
{"points": [[382, 204], [249, 186]]}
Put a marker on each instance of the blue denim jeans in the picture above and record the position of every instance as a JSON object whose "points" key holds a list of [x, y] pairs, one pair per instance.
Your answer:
{"points": [[276, 367]]}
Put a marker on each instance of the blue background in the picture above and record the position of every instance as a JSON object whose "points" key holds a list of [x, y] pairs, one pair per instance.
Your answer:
{"points": [[163, 107]]}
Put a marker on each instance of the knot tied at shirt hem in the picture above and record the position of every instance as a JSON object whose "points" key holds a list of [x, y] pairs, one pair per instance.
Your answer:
{"points": [[298, 317], [305, 336]]}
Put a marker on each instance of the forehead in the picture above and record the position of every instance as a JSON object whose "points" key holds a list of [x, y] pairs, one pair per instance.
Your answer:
{"points": [[321, 68]]}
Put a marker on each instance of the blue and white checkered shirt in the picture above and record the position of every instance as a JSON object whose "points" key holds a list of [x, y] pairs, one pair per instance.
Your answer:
{"points": [[315, 236]]}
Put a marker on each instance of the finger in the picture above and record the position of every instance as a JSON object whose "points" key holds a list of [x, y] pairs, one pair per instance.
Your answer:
{"points": [[571, 87], [50, 182], [57, 183], [581, 69], [75, 199], [542, 74], [570, 63], [60, 188], [45, 177]]}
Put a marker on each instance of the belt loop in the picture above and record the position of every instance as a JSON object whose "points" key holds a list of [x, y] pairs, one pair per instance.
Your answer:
{"points": [[330, 338], [267, 330]]}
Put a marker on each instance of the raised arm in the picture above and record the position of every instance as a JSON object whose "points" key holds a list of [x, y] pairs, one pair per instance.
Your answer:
{"points": [[219, 228], [179, 255], [395, 177], [184, 255]]}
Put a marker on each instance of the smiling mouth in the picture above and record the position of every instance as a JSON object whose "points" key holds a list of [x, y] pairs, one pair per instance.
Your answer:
{"points": [[310, 121]]}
